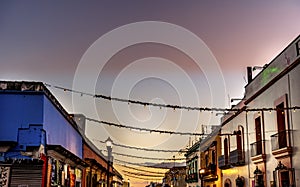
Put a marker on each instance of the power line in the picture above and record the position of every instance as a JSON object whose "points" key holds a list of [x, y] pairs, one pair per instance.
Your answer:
{"points": [[145, 129], [138, 148], [171, 106], [146, 158]]}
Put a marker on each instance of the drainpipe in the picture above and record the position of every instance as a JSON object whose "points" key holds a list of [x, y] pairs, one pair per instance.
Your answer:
{"points": [[290, 121], [248, 149], [264, 148]]}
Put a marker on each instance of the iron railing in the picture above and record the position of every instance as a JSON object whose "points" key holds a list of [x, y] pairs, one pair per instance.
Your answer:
{"points": [[236, 157], [280, 140], [223, 162], [257, 148]]}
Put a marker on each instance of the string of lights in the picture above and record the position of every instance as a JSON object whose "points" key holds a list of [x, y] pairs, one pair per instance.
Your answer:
{"points": [[171, 106], [143, 178], [138, 169], [146, 158], [145, 129], [140, 164], [139, 148], [142, 174]]}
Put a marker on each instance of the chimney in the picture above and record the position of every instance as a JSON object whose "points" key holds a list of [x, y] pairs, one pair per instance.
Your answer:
{"points": [[249, 74]]}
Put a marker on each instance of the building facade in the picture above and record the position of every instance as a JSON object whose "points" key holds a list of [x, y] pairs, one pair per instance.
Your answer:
{"points": [[193, 165], [41, 144], [265, 140], [176, 176], [210, 149]]}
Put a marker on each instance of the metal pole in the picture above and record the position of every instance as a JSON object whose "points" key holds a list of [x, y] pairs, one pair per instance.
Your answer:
{"points": [[109, 150], [201, 181], [108, 164]]}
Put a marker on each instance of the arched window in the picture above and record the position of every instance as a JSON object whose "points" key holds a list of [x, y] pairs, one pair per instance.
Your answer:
{"points": [[227, 183], [240, 142]]}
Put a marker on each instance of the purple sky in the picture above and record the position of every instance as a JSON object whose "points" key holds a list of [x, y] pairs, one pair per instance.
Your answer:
{"points": [[45, 41]]}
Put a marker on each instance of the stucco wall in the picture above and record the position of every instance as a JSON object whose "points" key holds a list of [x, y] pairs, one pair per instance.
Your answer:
{"points": [[59, 131], [19, 111]]}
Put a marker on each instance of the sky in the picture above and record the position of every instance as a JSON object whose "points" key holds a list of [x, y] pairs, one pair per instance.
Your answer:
{"points": [[171, 52]]}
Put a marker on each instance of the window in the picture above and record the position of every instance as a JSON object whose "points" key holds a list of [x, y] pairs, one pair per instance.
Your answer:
{"points": [[284, 176], [227, 183], [239, 140], [280, 113], [206, 160], [258, 135]]}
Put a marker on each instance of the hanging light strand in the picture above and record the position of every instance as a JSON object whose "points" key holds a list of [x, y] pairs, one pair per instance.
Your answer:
{"points": [[143, 174], [143, 178], [142, 164], [145, 158], [145, 129], [140, 148], [170, 106], [138, 169]]}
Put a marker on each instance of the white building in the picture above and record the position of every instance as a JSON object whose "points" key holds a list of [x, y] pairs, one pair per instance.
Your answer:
{"points": [[262, 148], [193, 165]]}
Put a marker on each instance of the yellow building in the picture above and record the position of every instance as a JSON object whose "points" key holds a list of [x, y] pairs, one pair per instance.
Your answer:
{"points": [[210, 149]]}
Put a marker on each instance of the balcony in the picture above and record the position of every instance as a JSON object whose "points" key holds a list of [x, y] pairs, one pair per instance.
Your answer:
{"points": [[210, 173], [257, 150], [223, 162], [237, 158], [191, 178], [281, 144]]}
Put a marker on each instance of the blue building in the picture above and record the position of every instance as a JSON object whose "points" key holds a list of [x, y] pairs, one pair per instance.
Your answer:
{"points": [[40, 144]]}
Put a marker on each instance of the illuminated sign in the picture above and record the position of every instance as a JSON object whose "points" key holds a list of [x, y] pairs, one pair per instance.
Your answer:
{"points": [[274, 68]]}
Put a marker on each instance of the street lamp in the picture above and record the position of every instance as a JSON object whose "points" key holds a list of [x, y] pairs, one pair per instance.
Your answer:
{"points": [[201, 175], [258, 177], [109, 144]]}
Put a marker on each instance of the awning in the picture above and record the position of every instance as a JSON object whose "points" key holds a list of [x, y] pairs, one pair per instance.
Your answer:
{"points": [[52, 150], [204, 144], [93, 162], [6, 145]]}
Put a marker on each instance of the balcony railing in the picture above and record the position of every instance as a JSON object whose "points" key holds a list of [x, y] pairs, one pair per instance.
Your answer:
{"points": [[257, 148], [280, 140], [223, 162], [236, 157], [211, 169], [193, 177]]}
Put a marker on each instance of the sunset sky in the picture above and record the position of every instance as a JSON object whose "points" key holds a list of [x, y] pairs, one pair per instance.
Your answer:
{"points": [[57, 42]]}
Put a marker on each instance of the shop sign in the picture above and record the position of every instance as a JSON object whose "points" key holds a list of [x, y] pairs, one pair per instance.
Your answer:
{"points": [[4, 176]]}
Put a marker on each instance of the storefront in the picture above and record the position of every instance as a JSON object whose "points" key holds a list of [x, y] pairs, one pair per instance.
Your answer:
{"points": [[64, 168]]}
